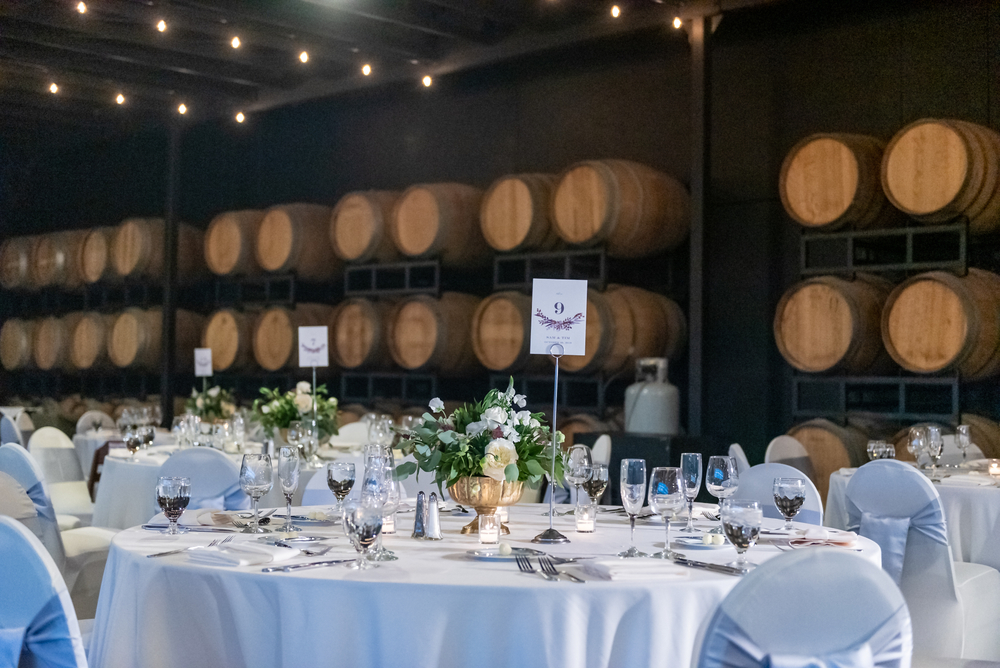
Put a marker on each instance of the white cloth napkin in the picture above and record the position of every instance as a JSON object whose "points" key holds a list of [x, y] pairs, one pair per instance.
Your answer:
{"points": [[819, 536], [635, 570], [194, 518], [846, 471], [241, 554]]}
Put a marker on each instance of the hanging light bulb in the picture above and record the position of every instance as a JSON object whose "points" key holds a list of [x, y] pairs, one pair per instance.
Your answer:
{"points": [[677, 22], [120, 99], [236, 42], [240, 117], [182, 109], [162, 26], [616, 11], [304, 56], [53, 88], [427, 80], [81, 7], [367, 69]]}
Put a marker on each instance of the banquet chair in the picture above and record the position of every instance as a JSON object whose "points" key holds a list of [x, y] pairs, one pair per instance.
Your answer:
{"points": [[10, 432], [355, 433], [38, 623], [600, 452], [758, 484], [783, 614], [788, 450], [62, 473], [742, 463], [92, 417], [80, 554], [955, 605], [215, 478]]}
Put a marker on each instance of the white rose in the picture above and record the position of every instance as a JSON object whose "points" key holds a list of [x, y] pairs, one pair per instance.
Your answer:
{"points": [[214, 392], [436, 405], [495, 416], [265, 409], [228, 408], [200, 403], [303, 387], [500, 453], [303, 402]]}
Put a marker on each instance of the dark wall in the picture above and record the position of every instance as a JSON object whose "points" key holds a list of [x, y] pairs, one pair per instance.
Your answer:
{"points": [[780, 73]]}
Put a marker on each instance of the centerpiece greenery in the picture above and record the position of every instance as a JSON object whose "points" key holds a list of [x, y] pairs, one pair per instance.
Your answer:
{"points": [[276, 409], [215, 403]]}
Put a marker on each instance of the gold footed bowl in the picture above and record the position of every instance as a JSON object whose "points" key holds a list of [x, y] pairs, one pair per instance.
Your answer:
{"points": [[485, 495]]}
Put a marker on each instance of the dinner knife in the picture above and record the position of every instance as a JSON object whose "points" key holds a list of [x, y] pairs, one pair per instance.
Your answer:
{"points": [[299, 567], [704, 565], [193, 529]]}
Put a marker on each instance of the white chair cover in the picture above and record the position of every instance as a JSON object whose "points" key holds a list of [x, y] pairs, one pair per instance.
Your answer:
{"points": [[38, 624], [215, 479], [56, 455], [817, 608], [14, 501], [742, 463], [758, 484], [17, 463], [601, 452], [788, 450], [355, 433], [10, 432], [87, 420]]}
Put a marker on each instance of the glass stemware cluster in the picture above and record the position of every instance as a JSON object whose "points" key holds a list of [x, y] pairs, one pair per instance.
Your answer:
{"points": [[878, 449], [138, 427], [304, 435]]}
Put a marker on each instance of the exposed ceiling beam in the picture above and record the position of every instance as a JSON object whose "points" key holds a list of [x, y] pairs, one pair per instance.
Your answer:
{"points": [[431, 21]]}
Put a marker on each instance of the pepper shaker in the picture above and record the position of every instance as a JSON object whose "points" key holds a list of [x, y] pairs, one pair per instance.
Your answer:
{"points": [[420, 519]]}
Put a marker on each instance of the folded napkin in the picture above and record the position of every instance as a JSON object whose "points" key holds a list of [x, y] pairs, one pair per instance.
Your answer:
{"points": [[819, 536], [205, 517], [635, 570], [241, 554]]}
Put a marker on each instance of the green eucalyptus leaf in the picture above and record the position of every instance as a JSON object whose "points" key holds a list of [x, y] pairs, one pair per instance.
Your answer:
{"points": [[510, 473]]}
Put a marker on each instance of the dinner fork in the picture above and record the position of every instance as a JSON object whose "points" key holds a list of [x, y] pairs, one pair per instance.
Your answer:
{"points": [[550, 568], [524, 565], [215, 543]]}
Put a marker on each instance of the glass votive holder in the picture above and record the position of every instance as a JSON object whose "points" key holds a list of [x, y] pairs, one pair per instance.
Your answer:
{"points": [[389, 524], [489, 529], [994, 467], [586, 518], [503, 515]]}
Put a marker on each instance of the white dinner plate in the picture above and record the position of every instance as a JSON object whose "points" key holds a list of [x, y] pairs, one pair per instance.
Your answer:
{"points": [[694, 543], [493, 554]]}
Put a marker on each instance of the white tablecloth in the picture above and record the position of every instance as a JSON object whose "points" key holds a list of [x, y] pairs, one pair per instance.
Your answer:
{"points": [[88, 442], [971, 512], [433, 607]]}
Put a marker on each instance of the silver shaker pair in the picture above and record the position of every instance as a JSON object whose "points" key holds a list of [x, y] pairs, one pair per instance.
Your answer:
{"points": [[427, 523]]}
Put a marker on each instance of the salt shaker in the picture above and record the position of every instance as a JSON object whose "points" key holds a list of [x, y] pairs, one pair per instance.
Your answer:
{"points": [[420, 520], [433, 531]]}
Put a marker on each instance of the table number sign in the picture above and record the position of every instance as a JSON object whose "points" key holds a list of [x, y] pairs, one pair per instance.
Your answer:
{"points": [[314, 349], [558, 315], [202, 362]]}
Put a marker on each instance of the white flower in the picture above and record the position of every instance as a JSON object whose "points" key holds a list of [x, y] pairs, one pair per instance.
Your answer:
{"points": [[522, 417], [510, 433], [509, 393], [214, 392], [534, 424], [303, 402], [473, 429], [265, 409], [519, 399], [303, 387], [500, 453], [200, 403], [194, 393], [436, 405], [495, 416]]}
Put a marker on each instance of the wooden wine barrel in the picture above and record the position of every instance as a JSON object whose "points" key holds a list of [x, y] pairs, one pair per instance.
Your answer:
{"points": [[826, 323], [276, 333], [55, 259], [94, 253], [440, 220], [17, 344], [229, 334], [135, 338], [937, 169], [359, 227], [831, 180], [984, 432], [89, 341], [830, 447], [941, 322], [229, 243], [660, 326], [434, 334], [360, 334], [633, 209], [53, 342], [516, 213], [501, 333], [137, 250], [15, 262], [295, 237], [581, 423]]}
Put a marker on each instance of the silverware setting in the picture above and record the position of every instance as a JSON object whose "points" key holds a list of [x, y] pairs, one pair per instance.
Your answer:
{"points": [[550, 568], [215, 543], [192, 529], [524, 565], [311, 564], [704, 565]]}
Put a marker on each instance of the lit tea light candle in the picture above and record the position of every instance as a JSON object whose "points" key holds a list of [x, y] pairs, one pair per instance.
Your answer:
{"points": [[502, 514], [489, 529], [389, 524], [586, 519], [994, 467]]}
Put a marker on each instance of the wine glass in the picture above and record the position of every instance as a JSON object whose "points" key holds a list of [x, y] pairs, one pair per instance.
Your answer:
{"points": [[380, 484], [917, 442], [963, 439], [408, 423], [220, 436], [691, 473], [935, 445], [633, 490], [666, 496], [577, 467], [741, 519], [288, 476], [192, 424], [173, 496], [133, 440], [340, 479], [721, 480], [379, 431], [789, 495], [597, 483], [363, 524], [238, 430], [148, 435], [178, 429], [256, 479]]}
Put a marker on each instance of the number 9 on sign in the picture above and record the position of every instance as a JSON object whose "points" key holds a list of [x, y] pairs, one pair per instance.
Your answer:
{"points": [[560, 307]]}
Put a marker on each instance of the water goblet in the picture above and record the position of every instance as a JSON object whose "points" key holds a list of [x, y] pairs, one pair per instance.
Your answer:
{"points": [[633, 491], [173, 496], [177, 428], [963, 439], [288, 476], [721, 480], [917, 443], [577, 467], [666, 497], [256, 479], [596, 483], [133, 440], [340, 480], [363, 524], [691, 482], [935, 445], [148, 434], [741, 519], [789, 495]]}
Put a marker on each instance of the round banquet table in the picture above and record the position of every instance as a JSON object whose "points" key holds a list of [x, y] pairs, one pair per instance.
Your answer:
{"points": [[435, 606], [971, 505]]}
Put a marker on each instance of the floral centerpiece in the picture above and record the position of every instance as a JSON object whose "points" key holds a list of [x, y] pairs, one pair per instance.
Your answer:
{"points": [[484, 452], [276, 409], [214, 403]]}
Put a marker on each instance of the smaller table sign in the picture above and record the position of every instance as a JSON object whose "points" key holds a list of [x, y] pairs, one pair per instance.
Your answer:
{"points": [[558, 315], [202, 362], [314, 349]]}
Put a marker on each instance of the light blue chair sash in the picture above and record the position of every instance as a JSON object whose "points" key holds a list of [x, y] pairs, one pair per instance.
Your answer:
{"points": [[11, 641], [37, 495], [890, 532], [231, 498], [731, 647], [47, 639]]}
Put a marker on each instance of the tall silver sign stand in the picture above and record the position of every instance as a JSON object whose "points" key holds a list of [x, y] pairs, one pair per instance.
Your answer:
{"points": [[550, 535]]}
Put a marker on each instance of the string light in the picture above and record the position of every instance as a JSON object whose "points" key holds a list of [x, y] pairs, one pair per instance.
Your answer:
{"points": [[427, 80], [182, 109], [304, 56], [240, 117], [677, 22], [367, 69], [616, 11], [162, 26], [236, 42], [120, 99], [82, 7], [53, 88]]}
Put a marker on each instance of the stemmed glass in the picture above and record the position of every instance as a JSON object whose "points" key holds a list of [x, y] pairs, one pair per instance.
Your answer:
{"points": [[633, 490], [597, 483], [741, 519], [378, 484], [935, 445], [917, 443], [133, 440], [147, 433], [577, 467], [173, 496], [363, 525], [305, 435], [789, 495], [963, 439], [691, 474], [340, 480], [288, 476], [256, 479], [666, 496], [238, 430], [721, 480]]}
